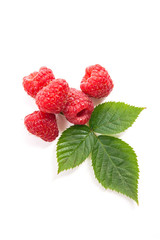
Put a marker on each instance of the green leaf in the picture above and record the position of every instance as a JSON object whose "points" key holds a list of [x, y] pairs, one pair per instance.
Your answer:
{"points": [[74, 146], [113, 117], [115, 165]]}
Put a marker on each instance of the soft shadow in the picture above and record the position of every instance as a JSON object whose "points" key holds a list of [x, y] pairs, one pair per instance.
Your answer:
{"points": [[67, 172], [30, 101], [34, 141], [54, 164], [97, 101], [62, 122]]}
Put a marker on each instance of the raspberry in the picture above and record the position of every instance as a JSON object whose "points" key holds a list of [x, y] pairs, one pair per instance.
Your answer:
{"points": [[79, 107], [53, 97], [96, 82], [42, 124], [37, 80]]}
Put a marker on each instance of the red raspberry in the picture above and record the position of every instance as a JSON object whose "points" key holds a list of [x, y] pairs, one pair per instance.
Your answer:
{"points": [[37, 80], [79, 107], [96, 82], [53, 97], [43, 125]]}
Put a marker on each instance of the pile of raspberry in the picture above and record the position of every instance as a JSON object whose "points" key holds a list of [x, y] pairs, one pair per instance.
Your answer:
{"points": [[54, 96]]}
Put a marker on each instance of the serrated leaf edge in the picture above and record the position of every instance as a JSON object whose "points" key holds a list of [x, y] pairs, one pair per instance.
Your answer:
{"points": [[141, 108], [136, 180], [57, 151]]}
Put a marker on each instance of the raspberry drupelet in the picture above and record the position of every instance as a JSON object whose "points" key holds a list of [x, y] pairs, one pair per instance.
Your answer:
{"points": [[42, 125], [34, 82], [96, 82], [53, 97], [79, 107]]}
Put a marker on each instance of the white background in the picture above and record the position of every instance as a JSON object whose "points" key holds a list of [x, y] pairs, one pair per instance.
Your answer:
{"points": [[67, 36]]}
